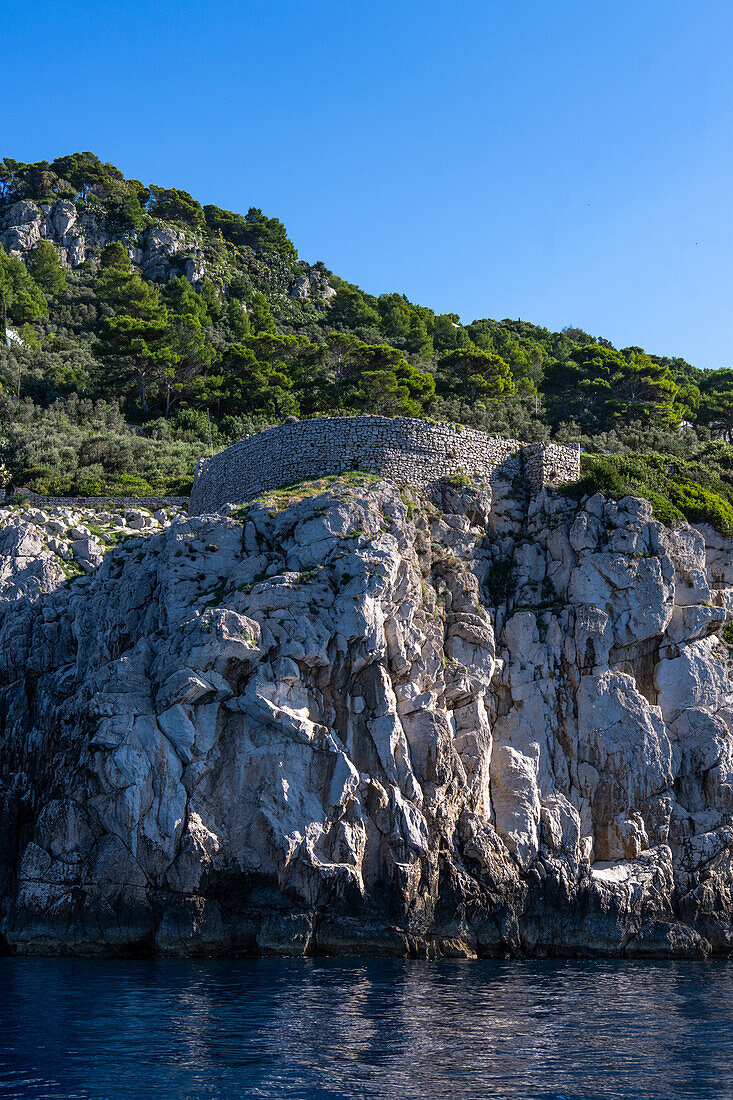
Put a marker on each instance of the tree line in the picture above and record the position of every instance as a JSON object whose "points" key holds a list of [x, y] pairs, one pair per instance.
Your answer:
{"points": [[160, 346], [238, 351]]}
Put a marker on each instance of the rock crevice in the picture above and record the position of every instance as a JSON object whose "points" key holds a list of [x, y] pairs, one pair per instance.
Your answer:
{"points": [[347, 720]]}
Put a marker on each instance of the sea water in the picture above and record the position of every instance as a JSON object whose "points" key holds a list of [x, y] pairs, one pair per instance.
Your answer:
{"points": [[160, 1030]]}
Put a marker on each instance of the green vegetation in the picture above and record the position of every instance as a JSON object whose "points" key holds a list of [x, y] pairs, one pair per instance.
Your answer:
{"points": [[680, 489], [278, 500], [727, 635], [125, 381], [460, 480]]}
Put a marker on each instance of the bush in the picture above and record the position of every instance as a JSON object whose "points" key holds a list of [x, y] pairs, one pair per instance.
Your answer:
{"points": [[666, 484], [84, 448], [700, 505]]}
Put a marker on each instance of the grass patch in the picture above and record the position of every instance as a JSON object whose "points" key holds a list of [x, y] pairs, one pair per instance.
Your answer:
{"points": [[459, 480], [280, 499], [216, 595], [71, 570], [408, 502], [727, 636]]}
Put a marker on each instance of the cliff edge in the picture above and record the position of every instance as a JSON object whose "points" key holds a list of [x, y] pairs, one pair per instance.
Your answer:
{"points": [[344, 719]]}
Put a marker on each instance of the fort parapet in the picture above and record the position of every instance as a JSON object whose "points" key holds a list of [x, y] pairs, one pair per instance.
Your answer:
{"points": [[401, 449]]}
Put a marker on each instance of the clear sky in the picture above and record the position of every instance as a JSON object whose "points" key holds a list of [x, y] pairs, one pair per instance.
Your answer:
{"points": [[563, 162]]}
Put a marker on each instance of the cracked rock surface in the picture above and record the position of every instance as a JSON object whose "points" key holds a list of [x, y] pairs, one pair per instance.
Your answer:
{"points": [[344, 719]]}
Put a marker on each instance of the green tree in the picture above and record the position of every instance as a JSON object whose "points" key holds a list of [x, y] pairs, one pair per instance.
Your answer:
{"points": [[114, 255], [10, 181], [172, 205], [125, 204], [396, 316], [688, 399], [475, 375], [624, 385], [179, 297], [211, 298], [351, 310], [382, 393], [28, 304], [45, 267], [405, 325], [255, 231], [23, 301], [192, 356], [136, 343], [260, 316], [192, 353], [408, 389], [84, 171], [418, 341], [448, 333], [252, 386], [264, 234], [341, 363], [6, 293], [716, 403], [237, 320]]}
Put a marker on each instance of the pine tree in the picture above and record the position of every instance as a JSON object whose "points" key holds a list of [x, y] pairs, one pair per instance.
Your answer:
{"points": [[136, 342], [45, 267]]}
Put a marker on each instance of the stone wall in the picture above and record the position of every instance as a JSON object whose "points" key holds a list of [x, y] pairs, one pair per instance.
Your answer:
{"points": [[550, 464], [152, 503], [407, 451]]}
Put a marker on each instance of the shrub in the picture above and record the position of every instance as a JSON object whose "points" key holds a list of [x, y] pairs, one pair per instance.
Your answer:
{"points": [[666, 484], [699, 505]]}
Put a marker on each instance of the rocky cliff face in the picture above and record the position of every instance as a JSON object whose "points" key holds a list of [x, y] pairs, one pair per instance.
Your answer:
{"points": [[160, 251], [353, 721]]}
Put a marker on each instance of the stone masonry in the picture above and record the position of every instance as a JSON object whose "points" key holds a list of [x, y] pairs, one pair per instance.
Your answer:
{"points": [[404, 450]]}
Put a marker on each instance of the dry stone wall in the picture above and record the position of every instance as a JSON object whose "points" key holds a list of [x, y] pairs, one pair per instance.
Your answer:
{"points": [[405, 450], [151, 503]]}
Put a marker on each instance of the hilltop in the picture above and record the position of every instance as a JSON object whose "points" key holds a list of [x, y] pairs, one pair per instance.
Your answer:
{"points": [[145, 329]]}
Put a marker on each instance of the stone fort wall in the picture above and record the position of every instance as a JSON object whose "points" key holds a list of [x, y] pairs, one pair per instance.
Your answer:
{"points": [[401, 449]]}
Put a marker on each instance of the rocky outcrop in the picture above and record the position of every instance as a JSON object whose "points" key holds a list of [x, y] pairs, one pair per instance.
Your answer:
{"points": [[312, 283], [344, 719], [160, 251], [41, 548]]}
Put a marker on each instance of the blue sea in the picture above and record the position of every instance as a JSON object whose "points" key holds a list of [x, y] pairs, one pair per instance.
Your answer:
{"points": [[377, 1028]]}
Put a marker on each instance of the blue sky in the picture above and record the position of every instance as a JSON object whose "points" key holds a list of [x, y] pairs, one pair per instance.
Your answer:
{"points": [[564, 162]]}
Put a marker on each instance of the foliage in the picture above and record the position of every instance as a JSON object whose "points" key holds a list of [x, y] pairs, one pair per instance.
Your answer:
{"points": [[675, 490], [172, 205], [21, 298], [136, 342], [607, 387], [185, 367], [84, 448], [475, 375], [253, 230], [45, 268]]}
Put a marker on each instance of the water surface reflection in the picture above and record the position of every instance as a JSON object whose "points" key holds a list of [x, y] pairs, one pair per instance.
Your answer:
{"points": [[374, 1028]]}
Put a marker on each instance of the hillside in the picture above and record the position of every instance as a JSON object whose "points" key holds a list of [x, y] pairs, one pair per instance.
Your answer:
{"points": [[145, 329], [389, 709]]}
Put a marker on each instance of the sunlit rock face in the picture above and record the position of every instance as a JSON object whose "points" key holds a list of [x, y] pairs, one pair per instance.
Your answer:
{"points": [[351, 720], [161, 252]]}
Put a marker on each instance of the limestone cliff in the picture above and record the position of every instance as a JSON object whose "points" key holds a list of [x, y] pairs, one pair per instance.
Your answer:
{"points": [[161, 251], [349, 720]]}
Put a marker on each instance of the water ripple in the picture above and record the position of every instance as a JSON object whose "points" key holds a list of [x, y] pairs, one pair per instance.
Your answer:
{"points": [[327, 1029]]}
